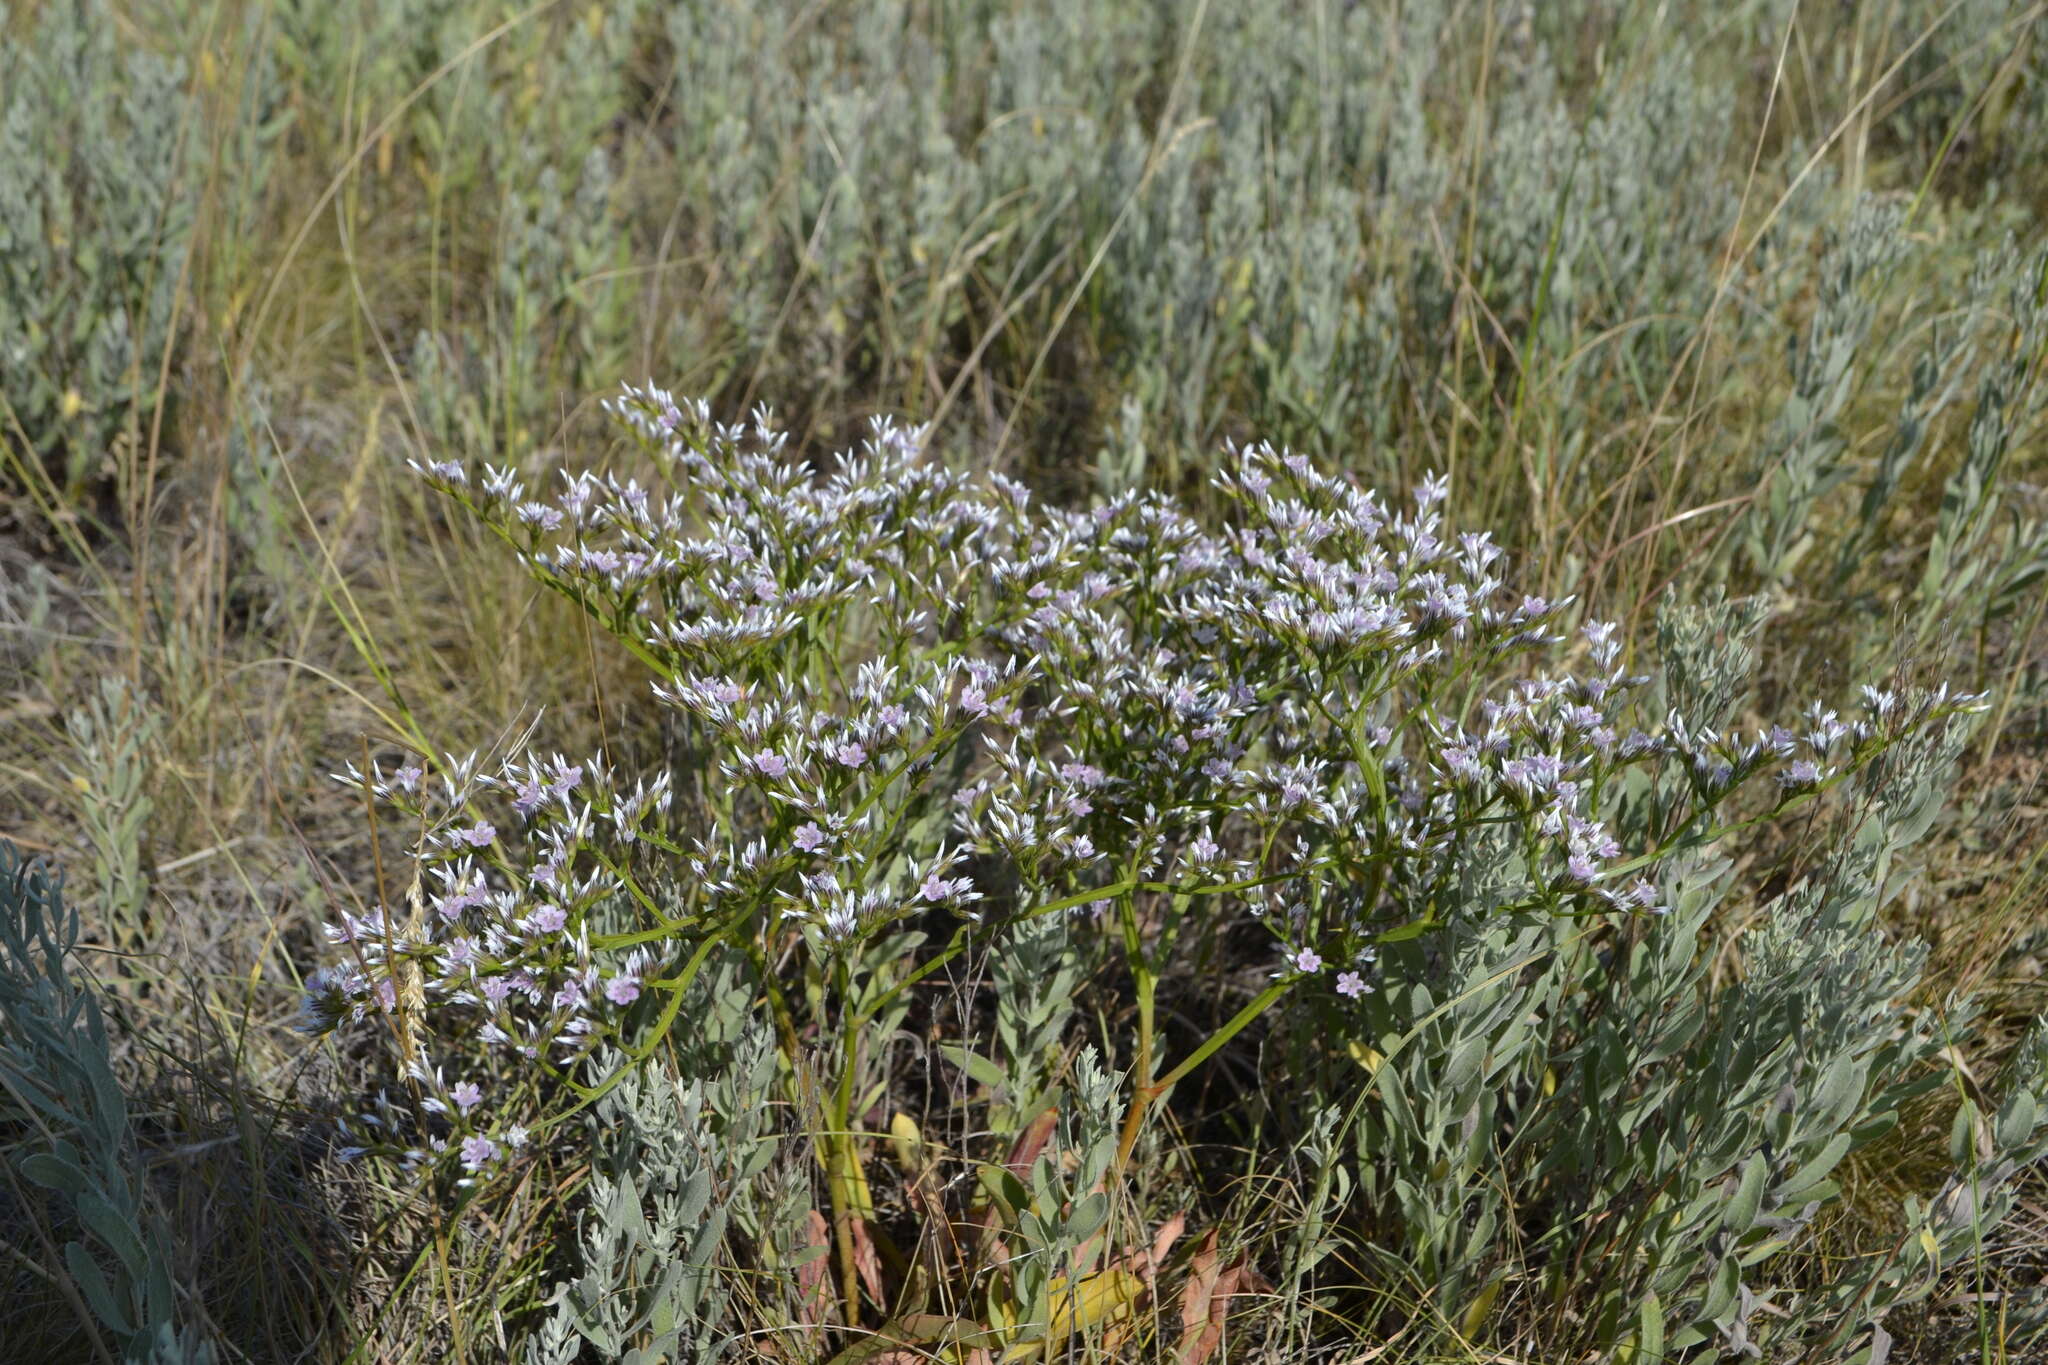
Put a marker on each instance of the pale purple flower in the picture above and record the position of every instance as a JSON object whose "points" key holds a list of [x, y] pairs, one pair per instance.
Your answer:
{"points": [[567, 775], [466, 1095], [1307, 960], [479, 835], [478, 1151], [851, 754], [939, 889], [1642, 894], [531, 794], [1463, 765], [539, 514], [1351, 984], [771, 764], [809, 837], [408, 777], [1800, 775], [622, 990], [323, 1005], [1600, 639]]}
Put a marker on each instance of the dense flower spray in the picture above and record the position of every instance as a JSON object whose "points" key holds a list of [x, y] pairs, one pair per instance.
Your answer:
{"points": [[913, 692]]}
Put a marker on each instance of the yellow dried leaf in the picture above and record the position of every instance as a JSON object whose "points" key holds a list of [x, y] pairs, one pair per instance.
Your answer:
{"points": [[1475, 1313], [1365, 1056]]}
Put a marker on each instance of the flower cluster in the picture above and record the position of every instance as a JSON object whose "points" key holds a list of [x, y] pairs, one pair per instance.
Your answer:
{"points": [[911, 692]]}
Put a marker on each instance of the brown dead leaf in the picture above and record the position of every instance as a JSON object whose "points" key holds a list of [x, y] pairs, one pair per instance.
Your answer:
{"points": [[1030, 1143], [1196, 1293], [1162, 1242], [816, 1300], [866, 1262], [1205, 1301]]}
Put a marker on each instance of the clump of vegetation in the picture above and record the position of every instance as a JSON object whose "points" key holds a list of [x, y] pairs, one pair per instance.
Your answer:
{"points": [[95, 232], [907, 699], [1064, 872]]}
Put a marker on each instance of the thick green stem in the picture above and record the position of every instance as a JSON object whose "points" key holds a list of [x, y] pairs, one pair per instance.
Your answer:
{"points": [[1141, 1101], [842, 1160], [1147, 988]]}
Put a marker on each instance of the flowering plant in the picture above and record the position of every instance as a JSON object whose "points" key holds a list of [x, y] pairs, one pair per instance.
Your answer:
{"points": [[917, 710]]}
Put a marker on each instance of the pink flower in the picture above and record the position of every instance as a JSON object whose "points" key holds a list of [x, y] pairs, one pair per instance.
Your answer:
{"points": [[1351, 984], [771, 764], [1307, 960], [622, 990]]}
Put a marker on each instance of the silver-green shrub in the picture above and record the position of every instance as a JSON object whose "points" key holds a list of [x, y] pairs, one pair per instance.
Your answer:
{"points": [[65, 1129], [96, 219], [1680, 1135], [649, 1288]]}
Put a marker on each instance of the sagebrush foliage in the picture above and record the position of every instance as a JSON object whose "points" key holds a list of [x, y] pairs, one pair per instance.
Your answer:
{"points": [[96, 218], [1678, 1135], [65, 1131]]}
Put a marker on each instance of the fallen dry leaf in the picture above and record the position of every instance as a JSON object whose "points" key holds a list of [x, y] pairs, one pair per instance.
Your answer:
{"points": [[816, 1301], [1205, 1301], [866, 1262]]}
